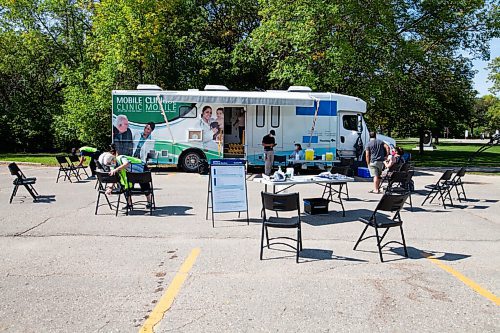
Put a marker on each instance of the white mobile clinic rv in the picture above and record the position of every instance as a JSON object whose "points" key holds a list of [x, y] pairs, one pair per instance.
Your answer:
{"points": [[325, 122]]}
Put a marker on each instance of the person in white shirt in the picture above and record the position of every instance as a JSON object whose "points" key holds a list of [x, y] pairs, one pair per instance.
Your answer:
{"points": [[143, 142], [205, 121]]}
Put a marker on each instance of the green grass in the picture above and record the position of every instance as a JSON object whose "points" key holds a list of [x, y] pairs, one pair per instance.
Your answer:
{"points": [[451, 154], [44, 159]]}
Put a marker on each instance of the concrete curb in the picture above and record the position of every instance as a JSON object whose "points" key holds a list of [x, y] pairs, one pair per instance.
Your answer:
{"points": [[21, 163], [469, 169]]}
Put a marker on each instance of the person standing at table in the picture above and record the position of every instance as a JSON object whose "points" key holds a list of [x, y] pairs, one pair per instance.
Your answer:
{"points": [[268, 142], [376, 151]]}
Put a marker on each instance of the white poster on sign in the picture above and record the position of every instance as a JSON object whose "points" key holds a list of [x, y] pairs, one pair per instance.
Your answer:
{"points": [[229, 192]]}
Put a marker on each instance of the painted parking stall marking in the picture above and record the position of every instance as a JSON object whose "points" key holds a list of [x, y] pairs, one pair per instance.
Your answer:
{"points": [[468, 282], [173, 289]]}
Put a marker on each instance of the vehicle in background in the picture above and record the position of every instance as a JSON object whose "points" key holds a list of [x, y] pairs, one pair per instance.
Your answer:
{"points": [[184, 134]]}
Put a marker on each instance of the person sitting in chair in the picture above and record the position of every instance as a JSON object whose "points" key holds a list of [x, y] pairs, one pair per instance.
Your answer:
{"points": [[297, 155], [123, 164], [392, 160]]}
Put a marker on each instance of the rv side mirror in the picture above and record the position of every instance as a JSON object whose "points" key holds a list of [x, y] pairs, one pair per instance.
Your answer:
{"points": [[360, 123]]}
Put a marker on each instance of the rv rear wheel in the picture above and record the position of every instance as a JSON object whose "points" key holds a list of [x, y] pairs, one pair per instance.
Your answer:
{"points": [[190, 161]]}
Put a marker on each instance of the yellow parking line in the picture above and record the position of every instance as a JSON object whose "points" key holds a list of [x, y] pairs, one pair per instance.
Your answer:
{"points": [[168, 298], [468, 282]]}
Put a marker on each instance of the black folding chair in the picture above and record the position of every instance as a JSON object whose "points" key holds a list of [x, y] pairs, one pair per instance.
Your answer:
{"points": [[141, 178], [456, 182], [280, 203], [279, 160], [398, 167], [104, 180], [388, 203], [441, 188], [102, 168], [74, 162], [65, 169], [400, 183], [22, 180]]}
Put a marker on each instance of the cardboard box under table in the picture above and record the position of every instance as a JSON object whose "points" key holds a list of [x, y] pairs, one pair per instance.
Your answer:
{"points": [[316, 206]]}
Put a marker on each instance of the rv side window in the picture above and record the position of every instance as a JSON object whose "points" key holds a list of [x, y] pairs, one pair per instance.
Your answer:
{"points": [[350, 122], [188, 111], [260, 116], [275, 116]]}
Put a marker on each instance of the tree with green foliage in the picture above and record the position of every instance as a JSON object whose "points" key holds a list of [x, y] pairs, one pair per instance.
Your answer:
{"points": [[494, 75], [37, 39], [60, 60], [401, 57]]}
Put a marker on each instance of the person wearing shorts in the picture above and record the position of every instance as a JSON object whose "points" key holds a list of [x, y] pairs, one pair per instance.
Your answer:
{"points": [[376, 152]]}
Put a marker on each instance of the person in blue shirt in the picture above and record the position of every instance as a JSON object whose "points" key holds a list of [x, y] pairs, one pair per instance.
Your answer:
{"points": [[298, 154]]}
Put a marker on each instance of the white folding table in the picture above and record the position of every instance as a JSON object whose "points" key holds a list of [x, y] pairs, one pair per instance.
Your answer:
{"points": [[322, 181]]}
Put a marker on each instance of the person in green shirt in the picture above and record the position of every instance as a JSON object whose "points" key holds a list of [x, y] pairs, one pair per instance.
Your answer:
{"points": [[124, 164], [91, 152]]}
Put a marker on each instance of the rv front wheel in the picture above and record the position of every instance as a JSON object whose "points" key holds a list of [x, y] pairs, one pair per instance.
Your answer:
{"points": [[190, 161]]}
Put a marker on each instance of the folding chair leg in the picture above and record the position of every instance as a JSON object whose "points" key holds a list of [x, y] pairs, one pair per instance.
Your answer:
{"points": [[109, 202], [360, 237], [262, 241], [449, 195], [324, 191], [33, 189], [438, 191], [300, 234], [383, 235], [14, 191], [378, 244], [404, 242], [298, 245], [267, 237], [118, 205], [446, 194], [463, 190], [31, 192], [97, 203], [428, 196], [456, 185]]}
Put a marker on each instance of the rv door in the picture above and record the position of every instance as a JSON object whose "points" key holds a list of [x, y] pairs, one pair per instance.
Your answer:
{"points": [[349, 127], [264, 119]]}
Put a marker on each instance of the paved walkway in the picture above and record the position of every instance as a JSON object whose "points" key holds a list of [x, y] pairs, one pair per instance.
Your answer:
{"points": [[65, 269]]}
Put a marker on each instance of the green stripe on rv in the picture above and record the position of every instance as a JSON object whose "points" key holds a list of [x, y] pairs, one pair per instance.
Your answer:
{"points": [[175, 149]]}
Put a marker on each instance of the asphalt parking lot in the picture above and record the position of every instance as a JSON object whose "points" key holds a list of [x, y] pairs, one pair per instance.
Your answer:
{"points": [[64, 269]]}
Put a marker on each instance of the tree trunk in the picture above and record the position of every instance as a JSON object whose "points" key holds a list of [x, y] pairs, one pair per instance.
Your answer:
{"points": [[421, 140]]}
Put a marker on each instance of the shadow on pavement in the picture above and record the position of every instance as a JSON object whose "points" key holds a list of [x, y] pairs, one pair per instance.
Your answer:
{"points": [[39, 199], [319, 254], [172, 210], [414, 253]]}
